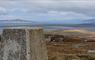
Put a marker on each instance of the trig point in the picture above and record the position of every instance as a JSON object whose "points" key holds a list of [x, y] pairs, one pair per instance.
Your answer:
{"points": [[23, 43]]}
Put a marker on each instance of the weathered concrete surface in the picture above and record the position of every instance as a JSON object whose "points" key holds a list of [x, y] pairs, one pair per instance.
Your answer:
{"points": [[13, 45], [22, 44], [38, 46]]}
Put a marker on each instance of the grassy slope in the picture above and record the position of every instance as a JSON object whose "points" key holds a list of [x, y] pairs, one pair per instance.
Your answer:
{"points": [[56, 51]]}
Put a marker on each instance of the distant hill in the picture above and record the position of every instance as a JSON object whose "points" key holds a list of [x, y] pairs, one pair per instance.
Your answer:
{"points": [[20, 22], [88, 23], [85, 23], [17, 22]]}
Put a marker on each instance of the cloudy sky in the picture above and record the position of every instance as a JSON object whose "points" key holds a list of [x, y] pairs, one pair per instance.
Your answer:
{"points": [[47, 10]]}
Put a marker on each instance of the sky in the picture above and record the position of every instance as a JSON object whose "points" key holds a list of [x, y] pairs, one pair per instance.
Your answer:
{"points": [[47, 10]]}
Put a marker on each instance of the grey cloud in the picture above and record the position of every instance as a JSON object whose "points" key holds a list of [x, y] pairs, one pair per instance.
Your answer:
{"points": [[78, 6], [85, 7], [3, 11]]}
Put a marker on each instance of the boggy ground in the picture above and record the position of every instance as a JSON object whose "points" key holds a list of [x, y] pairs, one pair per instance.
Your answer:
{"points": [[67, 51], [77, 45]]}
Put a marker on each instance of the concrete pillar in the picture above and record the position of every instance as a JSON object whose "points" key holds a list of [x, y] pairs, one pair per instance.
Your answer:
{"points": [[38, 46], [23, 44]]}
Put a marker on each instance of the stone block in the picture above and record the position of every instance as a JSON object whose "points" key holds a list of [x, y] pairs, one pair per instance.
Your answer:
{"points": [[23, 44]]}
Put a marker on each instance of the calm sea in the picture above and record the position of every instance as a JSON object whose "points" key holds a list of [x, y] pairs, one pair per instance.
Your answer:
{"points": [[50, 28]]}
